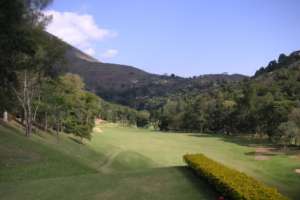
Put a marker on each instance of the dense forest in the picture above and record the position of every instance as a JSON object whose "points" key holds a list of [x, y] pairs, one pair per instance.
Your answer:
{"points": [[267, 104]]}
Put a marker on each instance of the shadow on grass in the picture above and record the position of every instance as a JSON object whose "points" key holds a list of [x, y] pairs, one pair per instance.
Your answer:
{"points": [[253, 153], [200, 184], [244, 140], [75, 140], [247, 140]]}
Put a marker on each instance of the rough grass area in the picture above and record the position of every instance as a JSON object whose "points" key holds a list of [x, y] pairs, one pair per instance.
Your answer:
{"points": [[129, 163]]}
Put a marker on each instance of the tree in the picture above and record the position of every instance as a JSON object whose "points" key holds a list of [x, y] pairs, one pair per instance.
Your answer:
{"points": [[295, 116], [25, 53], [282, 58], [48, 54], [194, 117], [19, 19], [288, 132], [142, 118], [78, 108]]}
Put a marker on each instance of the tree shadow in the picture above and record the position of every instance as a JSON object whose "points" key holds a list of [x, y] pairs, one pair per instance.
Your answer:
{"points": [[253, 153], [243, 140], [200, 184], [75, 140], [249, 141]]}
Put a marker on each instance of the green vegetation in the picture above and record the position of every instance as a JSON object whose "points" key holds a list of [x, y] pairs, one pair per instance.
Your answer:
{"points": [[34, 86], [266, 105], [37, 158], [123, 115], [229, 182], [39, 167], [130, 162], [58, 111]]}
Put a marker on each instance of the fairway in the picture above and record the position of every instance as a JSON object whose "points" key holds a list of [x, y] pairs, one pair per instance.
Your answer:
{"points": [[157, 149], [128, 163]]}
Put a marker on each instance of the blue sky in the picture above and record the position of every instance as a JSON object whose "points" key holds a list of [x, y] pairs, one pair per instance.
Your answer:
{"points": [[185, 37]]}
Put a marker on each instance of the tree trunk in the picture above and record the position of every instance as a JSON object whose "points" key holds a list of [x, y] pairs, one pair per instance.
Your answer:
{"points": [[46, 122], [29, 92], [5, 116], [57, 130]]}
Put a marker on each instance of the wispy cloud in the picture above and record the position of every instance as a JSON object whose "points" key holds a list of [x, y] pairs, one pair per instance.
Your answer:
{"points": [[110, 53], [79, 30]]}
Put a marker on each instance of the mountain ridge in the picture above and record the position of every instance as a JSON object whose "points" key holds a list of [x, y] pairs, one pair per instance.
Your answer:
{"points": [[125, 84]]}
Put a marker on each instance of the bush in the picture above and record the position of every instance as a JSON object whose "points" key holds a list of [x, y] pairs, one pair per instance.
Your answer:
{"points": [[229, 182]]}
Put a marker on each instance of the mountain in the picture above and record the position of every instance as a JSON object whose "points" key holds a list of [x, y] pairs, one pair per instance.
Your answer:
{"points": [[126, 84]]}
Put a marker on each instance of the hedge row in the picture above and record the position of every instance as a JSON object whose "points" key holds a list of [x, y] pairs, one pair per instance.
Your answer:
{"points": [[229, 182]]}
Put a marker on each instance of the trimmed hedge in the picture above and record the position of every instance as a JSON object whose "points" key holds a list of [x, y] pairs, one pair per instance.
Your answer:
{"points": [[229, 182]]}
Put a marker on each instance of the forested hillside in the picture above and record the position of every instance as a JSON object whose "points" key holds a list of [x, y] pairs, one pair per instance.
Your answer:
{"points": [[266, 105], [133, 87]]}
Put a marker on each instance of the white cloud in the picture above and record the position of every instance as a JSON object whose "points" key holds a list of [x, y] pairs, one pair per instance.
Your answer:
{"points": [[110, 53], [79, 30], [90, 51]]}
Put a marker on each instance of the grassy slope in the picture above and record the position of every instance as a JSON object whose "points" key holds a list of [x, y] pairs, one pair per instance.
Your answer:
{"points": [[40, 168], [124, 159]]}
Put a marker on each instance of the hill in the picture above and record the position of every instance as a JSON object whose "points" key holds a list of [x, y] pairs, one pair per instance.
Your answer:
{"points": [[125, 84]]}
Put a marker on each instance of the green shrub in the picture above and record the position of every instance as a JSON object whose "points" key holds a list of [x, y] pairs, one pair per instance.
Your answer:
{"points": [[229, 182]]}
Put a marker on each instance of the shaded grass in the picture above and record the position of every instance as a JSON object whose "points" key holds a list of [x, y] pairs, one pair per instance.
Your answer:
{"points": [[22, 158], [166, 183]]}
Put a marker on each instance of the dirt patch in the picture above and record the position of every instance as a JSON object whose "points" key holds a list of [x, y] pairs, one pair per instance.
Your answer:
{"points": [[297, 171], [260, 157], [97, 129], [264, 153], [264, 150], [99, 121]]}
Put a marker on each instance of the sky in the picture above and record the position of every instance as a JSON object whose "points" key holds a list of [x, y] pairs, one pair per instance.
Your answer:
{"points": [[184, 37]]}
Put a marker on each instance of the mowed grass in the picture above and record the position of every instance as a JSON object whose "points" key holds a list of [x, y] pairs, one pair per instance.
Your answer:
{"points": [[128, 163], [40, 167], [166, 149]]}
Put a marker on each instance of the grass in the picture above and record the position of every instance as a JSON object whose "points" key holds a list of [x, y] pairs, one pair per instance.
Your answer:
{"points": [[127, 163]]}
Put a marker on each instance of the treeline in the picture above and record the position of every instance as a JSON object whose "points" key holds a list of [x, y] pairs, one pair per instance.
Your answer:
{"points": [[282, 61], [267, 105], [124, 115]]}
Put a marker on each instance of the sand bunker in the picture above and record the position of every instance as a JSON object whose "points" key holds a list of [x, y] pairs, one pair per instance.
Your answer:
{"points": [[263, 153], [297, 171]]}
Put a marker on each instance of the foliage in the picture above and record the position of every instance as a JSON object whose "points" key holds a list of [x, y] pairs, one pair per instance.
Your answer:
{"points": [[21, 24], [283, 61], [259, 105], [288, 133], [68, 107], [229, 182], [123, 114]]}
